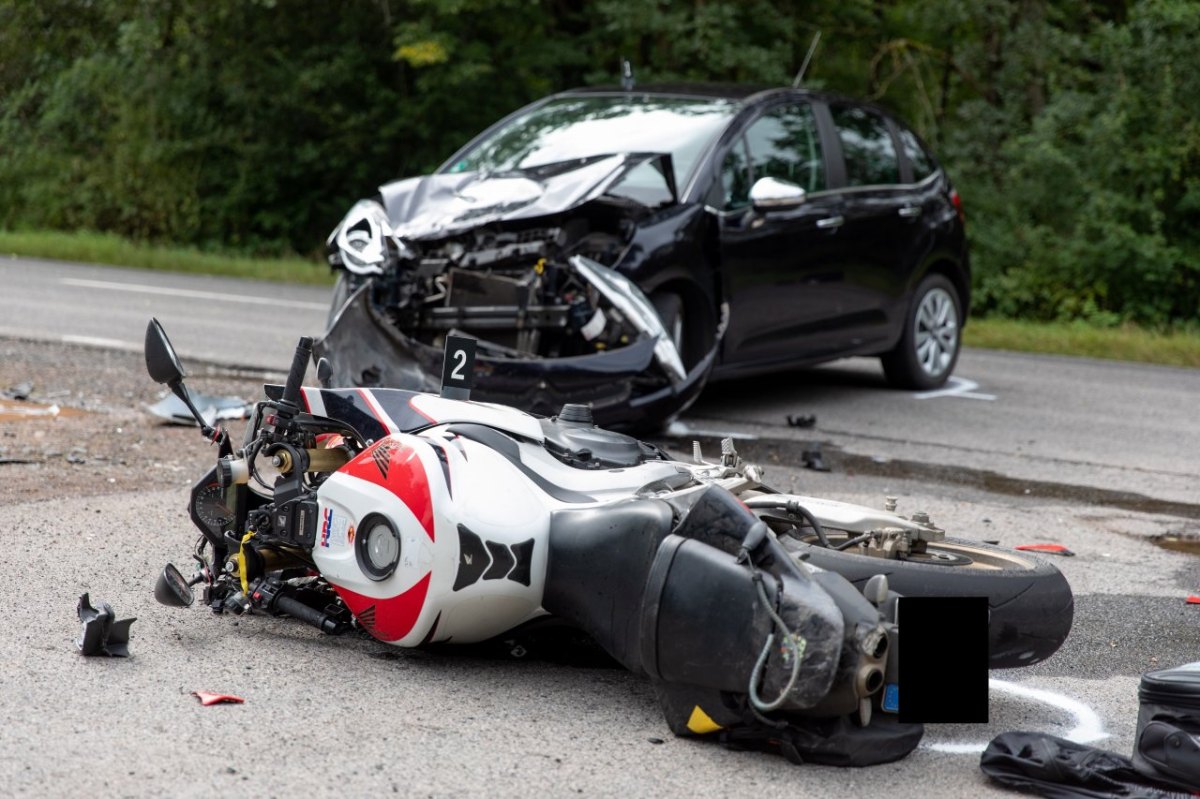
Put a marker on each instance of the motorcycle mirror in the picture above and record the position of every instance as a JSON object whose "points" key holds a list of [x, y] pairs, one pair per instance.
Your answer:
{"points": [[324, 372], [161, 361], [164, 367], [172, 589]]}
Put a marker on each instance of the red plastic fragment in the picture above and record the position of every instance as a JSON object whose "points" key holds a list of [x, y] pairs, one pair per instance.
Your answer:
{"points": [[1193, 600], [207, 698], [1050, 549]]}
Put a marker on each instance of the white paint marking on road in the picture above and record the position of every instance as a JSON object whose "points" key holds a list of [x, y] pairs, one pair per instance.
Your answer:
{"points": [[199, 295], [956, 387], [94, 341], [1088, 727]]}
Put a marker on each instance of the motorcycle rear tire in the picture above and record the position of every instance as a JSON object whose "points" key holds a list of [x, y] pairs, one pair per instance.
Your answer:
{"points": [[1031, 604]]}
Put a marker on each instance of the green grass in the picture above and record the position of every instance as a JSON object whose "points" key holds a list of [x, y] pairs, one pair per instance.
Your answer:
{"points": [[103, 248], [1125, 343]]}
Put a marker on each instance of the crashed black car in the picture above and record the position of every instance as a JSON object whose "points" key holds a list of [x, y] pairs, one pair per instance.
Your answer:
{"points": [[620, 248]]}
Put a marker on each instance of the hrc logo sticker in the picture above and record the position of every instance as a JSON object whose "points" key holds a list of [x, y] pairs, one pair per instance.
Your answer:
{"points": [[335, 529]]}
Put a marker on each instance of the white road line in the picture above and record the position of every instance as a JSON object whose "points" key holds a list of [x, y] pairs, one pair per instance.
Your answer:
{"points": [[94, 341], [199, 295], [956, 387], [1088, 727]]}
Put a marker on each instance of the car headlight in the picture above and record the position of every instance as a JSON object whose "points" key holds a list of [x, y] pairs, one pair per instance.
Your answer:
{"points": [[362, 238], [377, 546]]}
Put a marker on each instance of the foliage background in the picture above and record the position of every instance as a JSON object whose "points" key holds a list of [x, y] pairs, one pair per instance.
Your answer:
{"points": [[1072, 130]]}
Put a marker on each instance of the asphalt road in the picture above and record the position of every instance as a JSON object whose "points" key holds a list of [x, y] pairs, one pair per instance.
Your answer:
{"points": [[1100, 457]]}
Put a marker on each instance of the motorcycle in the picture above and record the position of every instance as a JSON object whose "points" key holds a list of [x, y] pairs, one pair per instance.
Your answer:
{"points": [[763, 619]]}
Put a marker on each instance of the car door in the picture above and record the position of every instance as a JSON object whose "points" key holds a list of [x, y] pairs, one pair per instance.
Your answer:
{"points": [[779, 264], [882, 228]]}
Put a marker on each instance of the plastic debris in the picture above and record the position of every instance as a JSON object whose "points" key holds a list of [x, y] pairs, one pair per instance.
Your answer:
{"points": [[21, 391], [213, 409], [208, 698], [1193, 600], [102, 634], [813, 460], [807, 420], [1049, 549]]}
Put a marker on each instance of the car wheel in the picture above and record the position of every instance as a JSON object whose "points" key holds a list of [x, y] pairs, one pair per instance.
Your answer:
{"points": [[670, 311], [928, 348]]}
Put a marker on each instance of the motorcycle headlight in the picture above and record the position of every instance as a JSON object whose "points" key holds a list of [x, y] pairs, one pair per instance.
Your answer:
{"points": [[362, 238], [377, 546]]}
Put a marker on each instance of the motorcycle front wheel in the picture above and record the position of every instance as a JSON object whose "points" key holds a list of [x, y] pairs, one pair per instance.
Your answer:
{"points": [[1030, 602]]}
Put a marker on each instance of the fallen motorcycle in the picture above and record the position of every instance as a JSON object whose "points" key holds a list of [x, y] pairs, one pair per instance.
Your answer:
{"points": [[424, 519]]}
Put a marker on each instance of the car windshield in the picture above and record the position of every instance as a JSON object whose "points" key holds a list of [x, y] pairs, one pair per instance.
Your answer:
{"points": [[568, 128]]}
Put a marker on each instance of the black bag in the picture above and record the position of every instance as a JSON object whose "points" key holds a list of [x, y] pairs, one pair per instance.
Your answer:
{"points": [[1167, 745], [1061, 769]]}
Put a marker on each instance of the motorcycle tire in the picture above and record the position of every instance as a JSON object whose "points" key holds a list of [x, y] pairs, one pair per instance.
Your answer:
{"points": [[1031, 604]]}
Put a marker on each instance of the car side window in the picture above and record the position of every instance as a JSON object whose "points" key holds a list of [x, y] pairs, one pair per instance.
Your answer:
{"points": [[918, 159], [867, 146], [784, 144]]}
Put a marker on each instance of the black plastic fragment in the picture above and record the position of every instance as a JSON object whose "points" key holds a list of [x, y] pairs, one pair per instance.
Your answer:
{"points": [[807, 420], [813, 459], [102, 634]]}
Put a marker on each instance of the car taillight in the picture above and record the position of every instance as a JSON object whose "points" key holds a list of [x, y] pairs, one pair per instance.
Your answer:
{"points": [[957, 202]]}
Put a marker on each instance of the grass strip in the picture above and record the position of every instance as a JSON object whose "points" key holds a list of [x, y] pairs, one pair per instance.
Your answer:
{"points": [[104, 248], [1178, 347]]}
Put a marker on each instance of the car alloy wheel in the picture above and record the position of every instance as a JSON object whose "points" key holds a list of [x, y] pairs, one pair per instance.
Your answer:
{"points": [[935, 332]]}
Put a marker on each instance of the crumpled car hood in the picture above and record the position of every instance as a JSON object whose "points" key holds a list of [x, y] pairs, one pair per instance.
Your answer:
{"points": [[435, 206]]}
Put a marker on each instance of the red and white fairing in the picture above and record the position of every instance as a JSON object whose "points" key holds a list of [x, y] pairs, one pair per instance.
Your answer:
{"points": [[473, 527], [418, 603]]}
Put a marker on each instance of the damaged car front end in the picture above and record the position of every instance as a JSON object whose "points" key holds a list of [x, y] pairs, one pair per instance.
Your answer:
{"points": [[520, 260]]}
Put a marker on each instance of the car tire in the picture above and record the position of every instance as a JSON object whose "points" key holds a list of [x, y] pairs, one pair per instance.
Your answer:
{"points": [[927, 352], [670, 310]]}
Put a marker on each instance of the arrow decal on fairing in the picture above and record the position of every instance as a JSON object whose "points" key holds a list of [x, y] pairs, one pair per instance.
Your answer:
{"points": [[491, 560]]}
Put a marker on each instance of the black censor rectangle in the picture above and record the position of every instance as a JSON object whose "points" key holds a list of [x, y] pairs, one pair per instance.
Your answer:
{"points": [[943, 658]]}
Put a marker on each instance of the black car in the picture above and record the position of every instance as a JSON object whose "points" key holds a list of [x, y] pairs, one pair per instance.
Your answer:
{"points": [[621, 247]]}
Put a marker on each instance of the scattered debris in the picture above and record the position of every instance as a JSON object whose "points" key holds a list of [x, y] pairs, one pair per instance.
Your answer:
{"points": [[1193, 600], [102, 634], [208, 698], [212, 408], [21, 391], [656, 740], [1049, 549], [993, 541], [812, 458], [808, 420]]}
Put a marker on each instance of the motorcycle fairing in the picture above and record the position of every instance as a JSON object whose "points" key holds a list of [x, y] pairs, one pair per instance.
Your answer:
{"points": [[438, 592]]}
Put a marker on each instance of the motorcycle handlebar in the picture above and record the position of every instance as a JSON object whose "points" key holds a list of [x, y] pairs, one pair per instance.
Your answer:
{"points": [[295, 378], [298, 610]]}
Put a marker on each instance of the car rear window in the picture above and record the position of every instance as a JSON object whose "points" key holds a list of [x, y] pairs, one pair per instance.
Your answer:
{"points": [[867, 146]]}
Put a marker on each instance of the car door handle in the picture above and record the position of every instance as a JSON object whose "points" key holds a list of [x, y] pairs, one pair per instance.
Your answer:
{"points": [[910, 211], [831, 222]]}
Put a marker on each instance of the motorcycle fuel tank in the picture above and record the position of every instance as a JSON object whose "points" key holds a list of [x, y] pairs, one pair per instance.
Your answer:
{"points": [[416, 556]]}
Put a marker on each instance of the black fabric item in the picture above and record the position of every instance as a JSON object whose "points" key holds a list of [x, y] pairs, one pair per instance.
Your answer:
{"points": [[1061, 769], [830, 742]]}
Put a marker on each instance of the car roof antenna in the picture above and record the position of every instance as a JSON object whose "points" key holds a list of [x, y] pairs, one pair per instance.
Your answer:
{"points": [[812, 48], [626, 75]]}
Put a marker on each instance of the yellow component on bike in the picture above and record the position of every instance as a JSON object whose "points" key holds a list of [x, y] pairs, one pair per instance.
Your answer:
{"points": [[540, 266], [241, 563], [701, 723]]}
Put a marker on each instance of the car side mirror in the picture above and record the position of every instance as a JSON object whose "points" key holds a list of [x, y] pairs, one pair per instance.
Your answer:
{"points": [[773, 194]]}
